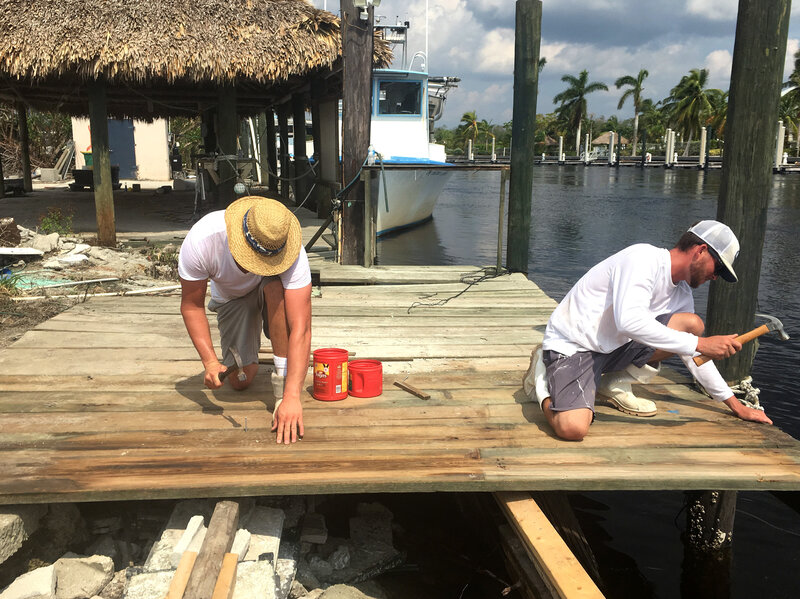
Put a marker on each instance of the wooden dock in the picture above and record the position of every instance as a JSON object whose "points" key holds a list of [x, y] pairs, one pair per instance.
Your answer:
{"points": [[105, 401]]}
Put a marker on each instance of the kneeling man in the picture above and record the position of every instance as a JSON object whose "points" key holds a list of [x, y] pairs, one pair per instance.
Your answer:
{"points": [[622, 318]]}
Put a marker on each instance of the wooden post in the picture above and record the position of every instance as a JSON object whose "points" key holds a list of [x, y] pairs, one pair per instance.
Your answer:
{"points": [[779, 145], [228, 129], [320, 193], [329, 168], [283, 132], [101, 161], [301, 185], [527, 38], [756, 74], [219, 538], [263, 149], [611, 144], [703, 140], [357, 48], [501, 215], [707, 542], [272, 152], [24, 144]]}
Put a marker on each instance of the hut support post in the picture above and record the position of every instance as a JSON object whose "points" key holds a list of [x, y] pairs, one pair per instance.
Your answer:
{"points": [[527, 39], [101, 161], [263, 149], [708, 543], [320, 193], [301, 184], [283, 131], [226, 138], [327, 117], [25, 146], [272, 152], [758, 55], [357, 48]]}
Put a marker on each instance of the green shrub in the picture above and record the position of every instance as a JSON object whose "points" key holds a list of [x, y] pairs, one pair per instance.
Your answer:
{"points": [[56, 221]]}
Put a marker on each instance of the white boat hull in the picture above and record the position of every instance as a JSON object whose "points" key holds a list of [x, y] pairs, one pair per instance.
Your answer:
{"points": [[410, 198]]}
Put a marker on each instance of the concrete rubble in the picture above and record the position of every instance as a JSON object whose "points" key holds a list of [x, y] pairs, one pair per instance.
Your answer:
{"points": [[276, 560]]}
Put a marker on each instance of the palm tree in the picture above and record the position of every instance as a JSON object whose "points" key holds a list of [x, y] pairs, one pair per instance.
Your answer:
{"points": [[634, 92], [718, 114], [540, 65], [573, 101], [790, 101], [652, 120], [688, 104], [470, 126]]}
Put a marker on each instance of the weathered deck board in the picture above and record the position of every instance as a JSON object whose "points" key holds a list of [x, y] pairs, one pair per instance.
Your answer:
{"points": [[105, 401]]}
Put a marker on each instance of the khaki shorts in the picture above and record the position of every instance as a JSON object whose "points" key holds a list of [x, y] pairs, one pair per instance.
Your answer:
{"points": [[240, 322]]}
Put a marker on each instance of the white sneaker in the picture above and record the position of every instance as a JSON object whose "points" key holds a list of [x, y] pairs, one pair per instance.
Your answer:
{"points": [[534, 383], [616, 387]]}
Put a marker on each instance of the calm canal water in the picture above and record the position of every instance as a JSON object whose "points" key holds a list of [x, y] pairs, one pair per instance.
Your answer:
{"points": [[580, 216]]}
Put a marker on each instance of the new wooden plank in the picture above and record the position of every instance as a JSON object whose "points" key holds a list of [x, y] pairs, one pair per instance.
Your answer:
{"points": [[560, 569]]}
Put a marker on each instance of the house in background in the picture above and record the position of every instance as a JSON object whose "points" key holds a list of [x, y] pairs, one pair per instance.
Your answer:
{"points": [[141, 149]]}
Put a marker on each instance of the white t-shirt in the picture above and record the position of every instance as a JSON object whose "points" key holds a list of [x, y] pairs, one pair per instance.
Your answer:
{"points": [[205, 255], [618, 300]]}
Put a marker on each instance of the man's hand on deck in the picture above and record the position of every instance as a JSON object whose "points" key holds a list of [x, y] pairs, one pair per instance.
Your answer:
{"points": [[287, 421], [745, 413], [213, 370], [718, 347]]}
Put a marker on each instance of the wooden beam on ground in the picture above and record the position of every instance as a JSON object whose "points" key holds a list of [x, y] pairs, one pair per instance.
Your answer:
{"points": [[218, 541], [526, 80], [101, 161], [226, 581], [357, 48], [24, 146], [559, 568], [181, 577]]}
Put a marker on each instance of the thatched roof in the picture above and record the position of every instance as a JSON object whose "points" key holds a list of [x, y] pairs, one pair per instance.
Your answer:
{"points": [[263, 47], [605, 138]]}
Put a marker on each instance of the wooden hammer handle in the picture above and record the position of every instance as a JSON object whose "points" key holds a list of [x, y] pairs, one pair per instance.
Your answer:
{"points": [[749, 336]]}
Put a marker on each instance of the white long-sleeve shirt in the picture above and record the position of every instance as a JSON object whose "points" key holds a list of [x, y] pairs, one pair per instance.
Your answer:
{"points": [[618, 300]]}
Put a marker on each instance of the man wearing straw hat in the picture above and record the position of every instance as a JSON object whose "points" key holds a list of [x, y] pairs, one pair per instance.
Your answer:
{"points": [[252, 253]]}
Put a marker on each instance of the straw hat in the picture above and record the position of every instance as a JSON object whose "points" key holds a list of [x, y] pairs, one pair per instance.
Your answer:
{"points": [[263, 235]]}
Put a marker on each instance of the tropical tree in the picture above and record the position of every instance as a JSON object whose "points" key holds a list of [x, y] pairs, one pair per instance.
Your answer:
{"points": [[651, 120], [540, 64], [469, 126], [717, 115], [688, 104], [573, 101], [790, 102], [634, 92]]}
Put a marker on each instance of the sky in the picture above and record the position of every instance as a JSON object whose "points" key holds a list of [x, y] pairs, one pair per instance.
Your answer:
{"points": [[474, 40]]}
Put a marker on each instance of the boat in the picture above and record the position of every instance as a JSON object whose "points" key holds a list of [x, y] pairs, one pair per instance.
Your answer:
{"points": [[405, 104]]}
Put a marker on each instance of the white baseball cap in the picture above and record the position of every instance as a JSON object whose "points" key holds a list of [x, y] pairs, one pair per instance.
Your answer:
{"points": [[721, 242]]}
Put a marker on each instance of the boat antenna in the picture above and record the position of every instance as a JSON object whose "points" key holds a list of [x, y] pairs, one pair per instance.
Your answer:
{"points": [[427, 65]]}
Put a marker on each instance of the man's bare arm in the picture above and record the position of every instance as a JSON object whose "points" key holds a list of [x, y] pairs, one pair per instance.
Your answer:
{"points": [[193, 295]]}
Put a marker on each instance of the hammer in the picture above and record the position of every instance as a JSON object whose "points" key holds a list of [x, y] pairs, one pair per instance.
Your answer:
{"points": [[773, 324], [238, 359]]}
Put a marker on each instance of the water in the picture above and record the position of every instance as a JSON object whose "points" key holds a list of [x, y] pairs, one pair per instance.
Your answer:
{"points": [[582, 215]]}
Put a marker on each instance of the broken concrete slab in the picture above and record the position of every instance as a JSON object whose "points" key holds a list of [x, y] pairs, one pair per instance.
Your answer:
{"points": [[105, 545], [286, 567], [44, 243], [241, 543], [265, 525], [147, 585], [116, 588], [255, 579], [314, 529], [342, 591], [80, 577], [17, 524], [37, 584], [191, 539]]}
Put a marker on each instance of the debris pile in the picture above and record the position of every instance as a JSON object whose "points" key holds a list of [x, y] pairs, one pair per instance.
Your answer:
{"points": [[283, 546]]}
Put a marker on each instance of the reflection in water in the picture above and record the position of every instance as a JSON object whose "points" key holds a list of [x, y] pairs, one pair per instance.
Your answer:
{"points": [[580, 216]]}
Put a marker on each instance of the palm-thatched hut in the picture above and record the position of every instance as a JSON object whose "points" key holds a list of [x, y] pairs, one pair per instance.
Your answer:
{"points": [[131, 58]]}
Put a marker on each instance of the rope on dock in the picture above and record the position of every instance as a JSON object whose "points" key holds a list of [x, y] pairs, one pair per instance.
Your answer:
{"points": [[473, 278]]}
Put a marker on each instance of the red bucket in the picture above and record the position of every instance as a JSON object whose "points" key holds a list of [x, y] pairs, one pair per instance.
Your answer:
{"points": [[330, 374], [366, 378]]}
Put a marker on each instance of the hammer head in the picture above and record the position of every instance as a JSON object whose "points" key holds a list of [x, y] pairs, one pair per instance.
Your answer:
{"points": [[773, 324], [238, 359]]}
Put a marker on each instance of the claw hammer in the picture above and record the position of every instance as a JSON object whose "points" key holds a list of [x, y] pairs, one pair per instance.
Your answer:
{"points": [[773, 324], [238, 359]]}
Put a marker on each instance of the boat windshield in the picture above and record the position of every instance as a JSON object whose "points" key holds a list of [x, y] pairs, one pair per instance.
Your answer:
{"points": [[400, 97]]}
